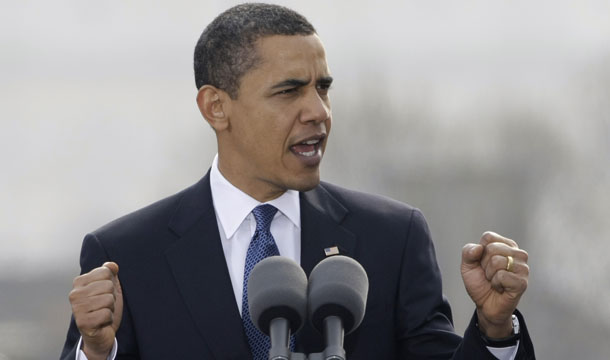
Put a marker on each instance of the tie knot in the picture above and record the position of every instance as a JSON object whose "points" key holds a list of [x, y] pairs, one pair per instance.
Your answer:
{"points": [[263, 215]]}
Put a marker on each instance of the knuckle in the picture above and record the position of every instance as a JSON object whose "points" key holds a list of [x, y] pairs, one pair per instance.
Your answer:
{"points": [[106, 272], [524, 255], [79, 280], [490, 247], [496, 247], [108, 301], [77, 310], [489, 235], [106, 317], [101, 272], [73, 295], [465, 249], [505, 247], [497, 261], [104, 285], [107, 286], [523, 283], [96, 319], [83, 322]]}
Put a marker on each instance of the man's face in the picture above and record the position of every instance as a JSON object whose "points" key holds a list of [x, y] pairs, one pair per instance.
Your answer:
{"points": [[280, 121]]}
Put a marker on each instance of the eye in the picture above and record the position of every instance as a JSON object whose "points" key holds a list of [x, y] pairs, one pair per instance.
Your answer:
{"points": [[287, 91], [323, 88]]}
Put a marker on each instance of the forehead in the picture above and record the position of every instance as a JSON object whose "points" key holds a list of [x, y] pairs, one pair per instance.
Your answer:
{"points": [[293, 56]]}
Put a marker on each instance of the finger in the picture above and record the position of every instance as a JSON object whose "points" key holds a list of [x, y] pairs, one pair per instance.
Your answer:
{"points": [[499, 262], [81, 294], [118, 290], [90, 322], [498, 248], [94, 303], [100, 273], [489, 237], [502, 249], [471, 255], [504, 281], [118, 306]]}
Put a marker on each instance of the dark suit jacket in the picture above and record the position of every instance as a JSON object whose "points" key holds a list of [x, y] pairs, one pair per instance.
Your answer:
{"points": [[179, 303]]}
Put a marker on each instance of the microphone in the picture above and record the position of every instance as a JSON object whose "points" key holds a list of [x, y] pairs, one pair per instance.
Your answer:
{"points": [[338, 288], [277, 299]]}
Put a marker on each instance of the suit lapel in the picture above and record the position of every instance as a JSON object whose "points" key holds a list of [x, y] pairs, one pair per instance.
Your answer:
{"points": [[321, 217], [199, 267]]}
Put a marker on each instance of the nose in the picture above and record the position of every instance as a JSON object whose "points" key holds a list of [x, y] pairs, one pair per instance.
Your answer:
{"points": [[315, 108]]}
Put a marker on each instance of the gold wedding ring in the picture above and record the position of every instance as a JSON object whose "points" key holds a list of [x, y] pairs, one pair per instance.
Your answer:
{"points": [[509, 266]]}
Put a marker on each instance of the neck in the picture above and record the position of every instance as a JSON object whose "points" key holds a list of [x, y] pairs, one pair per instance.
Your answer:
{"points": [[257, 189]]}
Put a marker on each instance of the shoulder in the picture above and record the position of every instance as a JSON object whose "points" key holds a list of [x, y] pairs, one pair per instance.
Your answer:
{"points": [[372, 206], [156, 214], [154, 226], [384, 228]]}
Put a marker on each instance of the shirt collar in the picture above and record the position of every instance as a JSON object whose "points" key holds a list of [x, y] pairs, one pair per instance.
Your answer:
{"points": [[232, 205]]}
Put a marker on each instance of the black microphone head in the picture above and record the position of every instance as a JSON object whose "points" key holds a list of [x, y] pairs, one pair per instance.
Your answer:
{"points": [[338, 286], [277, 287]]}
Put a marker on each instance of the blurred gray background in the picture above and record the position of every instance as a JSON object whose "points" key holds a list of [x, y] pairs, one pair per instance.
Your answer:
{"points": [[487, 115]]}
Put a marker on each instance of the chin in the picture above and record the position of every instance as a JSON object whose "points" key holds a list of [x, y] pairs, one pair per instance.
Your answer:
{"points": [[305, 184]]}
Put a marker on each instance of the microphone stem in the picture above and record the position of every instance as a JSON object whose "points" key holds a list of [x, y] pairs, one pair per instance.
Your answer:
{"points": [[279, 332], [333, 336]]}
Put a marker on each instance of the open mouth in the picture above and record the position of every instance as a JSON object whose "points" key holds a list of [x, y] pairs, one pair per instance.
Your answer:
{"points": [[310, 147]]}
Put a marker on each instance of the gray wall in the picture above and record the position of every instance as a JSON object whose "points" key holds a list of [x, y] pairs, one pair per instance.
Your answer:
{"points": [[484, 114]]}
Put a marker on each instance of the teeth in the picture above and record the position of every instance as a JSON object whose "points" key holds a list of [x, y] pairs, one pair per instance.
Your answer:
{"points": [[310, 142], [308, 153]]}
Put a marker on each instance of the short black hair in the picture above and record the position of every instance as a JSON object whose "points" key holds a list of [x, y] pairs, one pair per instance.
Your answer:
{"points": [[226, 49]]}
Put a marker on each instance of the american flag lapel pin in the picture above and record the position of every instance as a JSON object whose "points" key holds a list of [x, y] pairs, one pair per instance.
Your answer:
{"points": [[330, 251]]}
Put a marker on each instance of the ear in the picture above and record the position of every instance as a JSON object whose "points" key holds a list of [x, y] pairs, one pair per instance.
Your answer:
{"points": [[212, 103]]}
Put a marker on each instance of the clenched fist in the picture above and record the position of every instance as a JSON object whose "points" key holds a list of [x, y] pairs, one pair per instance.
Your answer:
{"points": [[495, 273], [97, 305]]}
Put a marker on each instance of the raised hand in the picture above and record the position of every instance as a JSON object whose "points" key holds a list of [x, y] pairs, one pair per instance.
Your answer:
{"points": [[495, 273], [97, 305]]}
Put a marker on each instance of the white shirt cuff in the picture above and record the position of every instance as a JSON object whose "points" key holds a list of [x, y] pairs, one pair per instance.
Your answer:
{"points": [[504, 353], [80, 355]]}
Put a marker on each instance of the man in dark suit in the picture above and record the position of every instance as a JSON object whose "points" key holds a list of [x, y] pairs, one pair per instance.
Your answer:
{"points": [[263, 87]]}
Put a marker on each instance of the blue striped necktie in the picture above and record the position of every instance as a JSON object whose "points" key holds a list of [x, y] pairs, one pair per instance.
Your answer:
{"points": [[261, 246]]}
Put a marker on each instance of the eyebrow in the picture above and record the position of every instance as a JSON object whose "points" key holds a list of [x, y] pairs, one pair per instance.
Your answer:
{"points": [[326, 80], [290, 83]]}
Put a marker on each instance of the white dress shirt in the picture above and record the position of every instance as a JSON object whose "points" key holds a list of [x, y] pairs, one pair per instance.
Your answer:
{"points": [[236, 226]]}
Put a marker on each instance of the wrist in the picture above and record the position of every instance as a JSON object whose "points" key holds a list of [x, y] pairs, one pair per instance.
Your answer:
{"points": [[498, 342], [95, 355], [495, 330]]}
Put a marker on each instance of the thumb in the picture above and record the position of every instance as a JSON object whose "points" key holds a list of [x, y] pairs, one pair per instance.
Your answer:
{"points": [[118, 294], [118, 306], [471, 255], [114, 267]]}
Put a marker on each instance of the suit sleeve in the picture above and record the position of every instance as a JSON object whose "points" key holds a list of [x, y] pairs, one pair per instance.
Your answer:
{"points": [[424, 320], [92, 256]]}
